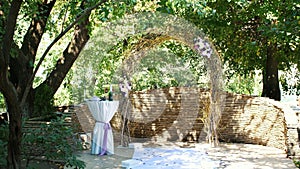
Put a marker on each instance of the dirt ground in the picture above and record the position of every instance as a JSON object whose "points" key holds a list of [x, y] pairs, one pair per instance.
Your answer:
{"points": [[232, 156]]}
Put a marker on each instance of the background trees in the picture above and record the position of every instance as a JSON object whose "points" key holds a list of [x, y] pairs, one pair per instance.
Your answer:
{"points": [[257, 35]]}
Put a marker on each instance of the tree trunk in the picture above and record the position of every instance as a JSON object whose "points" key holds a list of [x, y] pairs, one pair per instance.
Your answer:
{"points": [[7, 87], [15, 137], [22, 66], [15, 118], [15, 121], [270, 76], [70, 54], [20, 73]]}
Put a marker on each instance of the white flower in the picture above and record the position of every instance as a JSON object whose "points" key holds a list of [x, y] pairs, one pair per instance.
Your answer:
{"points": [[203, 47]]}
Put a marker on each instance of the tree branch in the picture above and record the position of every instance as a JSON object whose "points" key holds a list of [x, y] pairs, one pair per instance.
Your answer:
{"points": [[6, 86], [36, 30], [9, 33], [29, 84], [70, 54]]}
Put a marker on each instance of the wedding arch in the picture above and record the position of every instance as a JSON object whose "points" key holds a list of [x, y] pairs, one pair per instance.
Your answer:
{"points": [[160, 27]]}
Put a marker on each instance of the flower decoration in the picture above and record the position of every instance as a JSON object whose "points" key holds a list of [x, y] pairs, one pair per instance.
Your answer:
{"points": [[125, 87], [203, 47]]}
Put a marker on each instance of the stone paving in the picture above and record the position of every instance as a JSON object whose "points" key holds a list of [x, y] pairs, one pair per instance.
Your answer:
{"points": [[232, 156]]}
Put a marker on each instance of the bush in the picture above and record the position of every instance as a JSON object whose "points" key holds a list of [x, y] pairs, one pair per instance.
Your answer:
{"points": [[54, 141], [43, 102]]}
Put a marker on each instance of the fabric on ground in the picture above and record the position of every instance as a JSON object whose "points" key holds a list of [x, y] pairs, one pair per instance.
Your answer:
{"points": [[170, 158]]}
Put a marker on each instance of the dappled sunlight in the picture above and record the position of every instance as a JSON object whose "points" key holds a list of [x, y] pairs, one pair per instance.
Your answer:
{"points": [[169, 154], [162, 115], [251, 156], [147, 31]]}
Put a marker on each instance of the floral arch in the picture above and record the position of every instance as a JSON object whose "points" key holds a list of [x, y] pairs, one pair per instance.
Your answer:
{"points": [[160, 27]]}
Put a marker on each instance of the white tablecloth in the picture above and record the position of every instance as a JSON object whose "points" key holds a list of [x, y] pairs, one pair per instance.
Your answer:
{"points": [[102, 111]]}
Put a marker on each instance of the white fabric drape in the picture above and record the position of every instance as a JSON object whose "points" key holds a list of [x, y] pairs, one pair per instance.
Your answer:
{"points": [[102, 111]]}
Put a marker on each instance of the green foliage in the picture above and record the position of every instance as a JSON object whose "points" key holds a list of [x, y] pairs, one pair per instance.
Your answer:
{"points": [[4, 6], [170, 64], [2, 103], [63, 96], [241, 85], [297, 163], [43, 102], [243, 30], [164, 64], [112, 10], [231, 24], [3, 144], [3, 153], [53, 140]]}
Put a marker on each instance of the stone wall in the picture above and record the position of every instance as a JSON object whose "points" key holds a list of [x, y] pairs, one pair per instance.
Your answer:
{"points": [[176, 114], [254, 120]]}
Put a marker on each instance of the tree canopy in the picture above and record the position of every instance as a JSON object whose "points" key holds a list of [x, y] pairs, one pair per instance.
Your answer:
{"points": [[251, 35]]}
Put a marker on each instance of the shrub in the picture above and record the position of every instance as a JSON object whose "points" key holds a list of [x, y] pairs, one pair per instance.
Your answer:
{"points": [[54, 141], [43, 102]]}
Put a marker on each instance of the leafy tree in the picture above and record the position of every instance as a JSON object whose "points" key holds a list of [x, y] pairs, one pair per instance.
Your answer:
{"points": [[165, 64], [252, 35], [257, 35], [238, 84], [19, 54]]}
